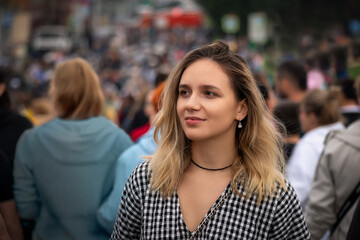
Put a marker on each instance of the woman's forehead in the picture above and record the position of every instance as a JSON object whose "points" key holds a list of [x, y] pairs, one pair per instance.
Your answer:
{"points": [[204, 72]]}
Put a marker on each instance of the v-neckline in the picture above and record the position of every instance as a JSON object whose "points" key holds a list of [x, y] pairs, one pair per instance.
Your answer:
{"points": [[208, 212]]}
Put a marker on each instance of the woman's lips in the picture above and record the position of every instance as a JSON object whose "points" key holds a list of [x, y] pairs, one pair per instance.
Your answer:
{"points": [[193, 120]]}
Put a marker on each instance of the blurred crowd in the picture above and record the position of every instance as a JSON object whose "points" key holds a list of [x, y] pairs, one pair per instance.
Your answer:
{"points": [[312, 97], [129, 63]]}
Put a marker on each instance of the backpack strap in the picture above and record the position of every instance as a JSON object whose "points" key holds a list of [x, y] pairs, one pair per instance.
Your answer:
{"points": [[346, 206]]}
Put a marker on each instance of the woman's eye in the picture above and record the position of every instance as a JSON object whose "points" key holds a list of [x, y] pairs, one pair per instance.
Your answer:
{"points": [[183, 92], [208, 93]]}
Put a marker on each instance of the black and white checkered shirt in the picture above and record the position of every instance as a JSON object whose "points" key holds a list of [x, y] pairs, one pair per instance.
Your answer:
{"points": [[145, 214]]}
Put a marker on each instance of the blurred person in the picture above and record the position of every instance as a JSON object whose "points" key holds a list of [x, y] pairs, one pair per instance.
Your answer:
{"points": [[88, 32], [319, 114], [139, 118], [336, 177], [353, 60], [111, 59], [41, 110], [111, 103], [8, 212], [218, 155], [266, 90], [127, 162], [137, 87], [12, 126], [291, 81], [290, 86], [65, 168], [147, 109], [126, 113], [286, 111], [315, 77], [339, 62], [349, 107], [324, 63], [160, 78]]}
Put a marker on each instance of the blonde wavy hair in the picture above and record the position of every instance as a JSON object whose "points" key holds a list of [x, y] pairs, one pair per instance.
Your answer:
{"points": [[76, 90], [260, 162]]}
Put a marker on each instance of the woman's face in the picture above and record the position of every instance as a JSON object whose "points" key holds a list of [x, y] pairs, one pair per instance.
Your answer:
{"points": [[207, 106], [308, 121], [149, 109]]}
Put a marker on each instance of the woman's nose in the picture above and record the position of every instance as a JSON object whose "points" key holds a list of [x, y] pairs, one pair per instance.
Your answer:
{"points": [[193, 103]]}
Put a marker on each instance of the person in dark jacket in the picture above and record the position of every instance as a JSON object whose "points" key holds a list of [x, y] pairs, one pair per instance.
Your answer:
{"points": [[12, 126]]}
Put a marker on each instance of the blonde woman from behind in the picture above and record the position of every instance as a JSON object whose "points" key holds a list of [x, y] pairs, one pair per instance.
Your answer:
{"points": [[64, 169]]}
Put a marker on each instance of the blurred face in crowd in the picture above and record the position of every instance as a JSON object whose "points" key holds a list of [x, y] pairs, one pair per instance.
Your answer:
{"points": [[308, 121], [149, 109], [207, 106], [280, 84]]}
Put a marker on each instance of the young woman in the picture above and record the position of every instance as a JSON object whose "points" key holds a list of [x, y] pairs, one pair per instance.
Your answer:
{"points": [[217, 171], [65, 168], [319, 114]]}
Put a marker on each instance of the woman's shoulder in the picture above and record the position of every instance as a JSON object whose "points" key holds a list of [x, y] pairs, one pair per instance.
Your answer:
{"points": [[29, 139], [288, 220], [103, 126], [34, 131], [103, 122], [142, 168], [108, 125], [140, 176], [286, 194], [282, 192]]}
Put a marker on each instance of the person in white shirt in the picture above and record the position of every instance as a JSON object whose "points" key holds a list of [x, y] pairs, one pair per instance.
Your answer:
{"points": [[319, 115]]}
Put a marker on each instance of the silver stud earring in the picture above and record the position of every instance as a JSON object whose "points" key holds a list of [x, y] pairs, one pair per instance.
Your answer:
{"points": [[239, 125]]}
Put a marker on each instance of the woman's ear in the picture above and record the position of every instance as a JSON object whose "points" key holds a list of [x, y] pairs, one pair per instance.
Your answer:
{"points": [[242, 110]]}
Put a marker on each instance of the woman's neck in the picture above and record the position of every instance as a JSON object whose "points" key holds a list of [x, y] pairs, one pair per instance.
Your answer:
{"points": [[213, 155]]}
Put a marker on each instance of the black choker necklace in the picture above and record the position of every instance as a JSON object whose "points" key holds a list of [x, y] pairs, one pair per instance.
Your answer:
{"points": [[210, 169]]}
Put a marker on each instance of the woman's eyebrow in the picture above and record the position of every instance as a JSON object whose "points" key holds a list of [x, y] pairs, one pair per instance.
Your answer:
{"points": [[201, 86], [209, 87], [184, 86]]}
